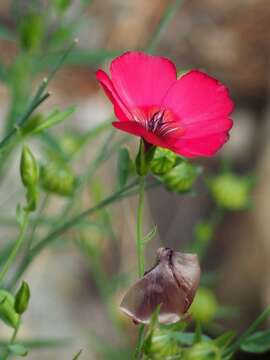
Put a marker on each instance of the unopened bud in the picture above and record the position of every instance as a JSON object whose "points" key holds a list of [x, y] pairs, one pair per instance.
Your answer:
{"points": [[144, 157], [57, 179], [231, 191], [7, 311], [206, 350], [181, 178], [22, 298], [204, 307], [28, 168], [163, 161]]}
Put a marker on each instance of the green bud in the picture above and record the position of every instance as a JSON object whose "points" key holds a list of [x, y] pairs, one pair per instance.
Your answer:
{"points": [[69, 144], [163, 345], [28, 168], [31, 31], [144, 157], [181, 178], [58, 179], [206, 350], [7, 311], [231, 192], [22, 298], [205, 306], [163, 161]]}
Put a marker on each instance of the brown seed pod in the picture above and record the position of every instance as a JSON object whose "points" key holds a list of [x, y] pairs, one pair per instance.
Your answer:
{"points": [[171, 283]]}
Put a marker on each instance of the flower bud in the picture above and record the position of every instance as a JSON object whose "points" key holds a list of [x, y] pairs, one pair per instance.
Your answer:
{"points": [[22, 298], [204, 307], [144, 157], [181, 178], [163, 345], [230, 191], [31, 30], [206, 350], [28, 168], [58, 179], [7, 311], [163, 161]]}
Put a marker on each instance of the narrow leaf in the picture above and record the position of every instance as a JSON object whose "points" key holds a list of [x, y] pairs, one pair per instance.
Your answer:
{"points": [[55, 118], [77, 355], [258, 342]]}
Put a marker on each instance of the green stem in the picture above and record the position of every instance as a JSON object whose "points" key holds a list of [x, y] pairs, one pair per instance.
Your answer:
{"points": [[140, 256], [139, 236], [15, 249], [139, 344], [14, 335]]}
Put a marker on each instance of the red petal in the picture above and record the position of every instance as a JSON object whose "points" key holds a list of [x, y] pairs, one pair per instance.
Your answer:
{"points": [[120, 109], [203, 105], [203, 146], [142, 80]]}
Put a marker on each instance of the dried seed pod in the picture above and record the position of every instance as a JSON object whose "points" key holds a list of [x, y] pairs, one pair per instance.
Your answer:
{"points": [[171, 283]]}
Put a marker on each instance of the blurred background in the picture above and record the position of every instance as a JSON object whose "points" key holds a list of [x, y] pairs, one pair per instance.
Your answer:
{"points": [[230, 40]]}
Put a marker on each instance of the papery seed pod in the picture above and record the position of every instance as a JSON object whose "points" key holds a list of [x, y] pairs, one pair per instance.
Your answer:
{"points": [[171, 283]]}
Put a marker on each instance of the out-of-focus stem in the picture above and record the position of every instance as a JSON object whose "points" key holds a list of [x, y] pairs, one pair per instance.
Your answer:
{"points": [[15, 249], [139, 234]]}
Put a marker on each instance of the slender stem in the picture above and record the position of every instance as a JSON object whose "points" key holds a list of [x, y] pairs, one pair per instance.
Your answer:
{"points": [[12, 340], [140, 256], [139, 235], [15, 249], [139, 344]]}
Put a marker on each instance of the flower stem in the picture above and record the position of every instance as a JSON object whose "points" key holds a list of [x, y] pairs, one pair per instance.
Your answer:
{"points": [[15, 249], [139, 235], [140, 256], [13, 338]]}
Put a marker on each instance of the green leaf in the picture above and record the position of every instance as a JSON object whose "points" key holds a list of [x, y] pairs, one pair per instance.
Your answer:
{"points": [[54, 118], [77, 57], [77, 355], [258, 342], [225, 339], [123, 166], [18, 349]]}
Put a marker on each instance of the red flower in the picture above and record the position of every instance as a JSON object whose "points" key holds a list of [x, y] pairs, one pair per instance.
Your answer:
{"points": [[189, 115]]}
